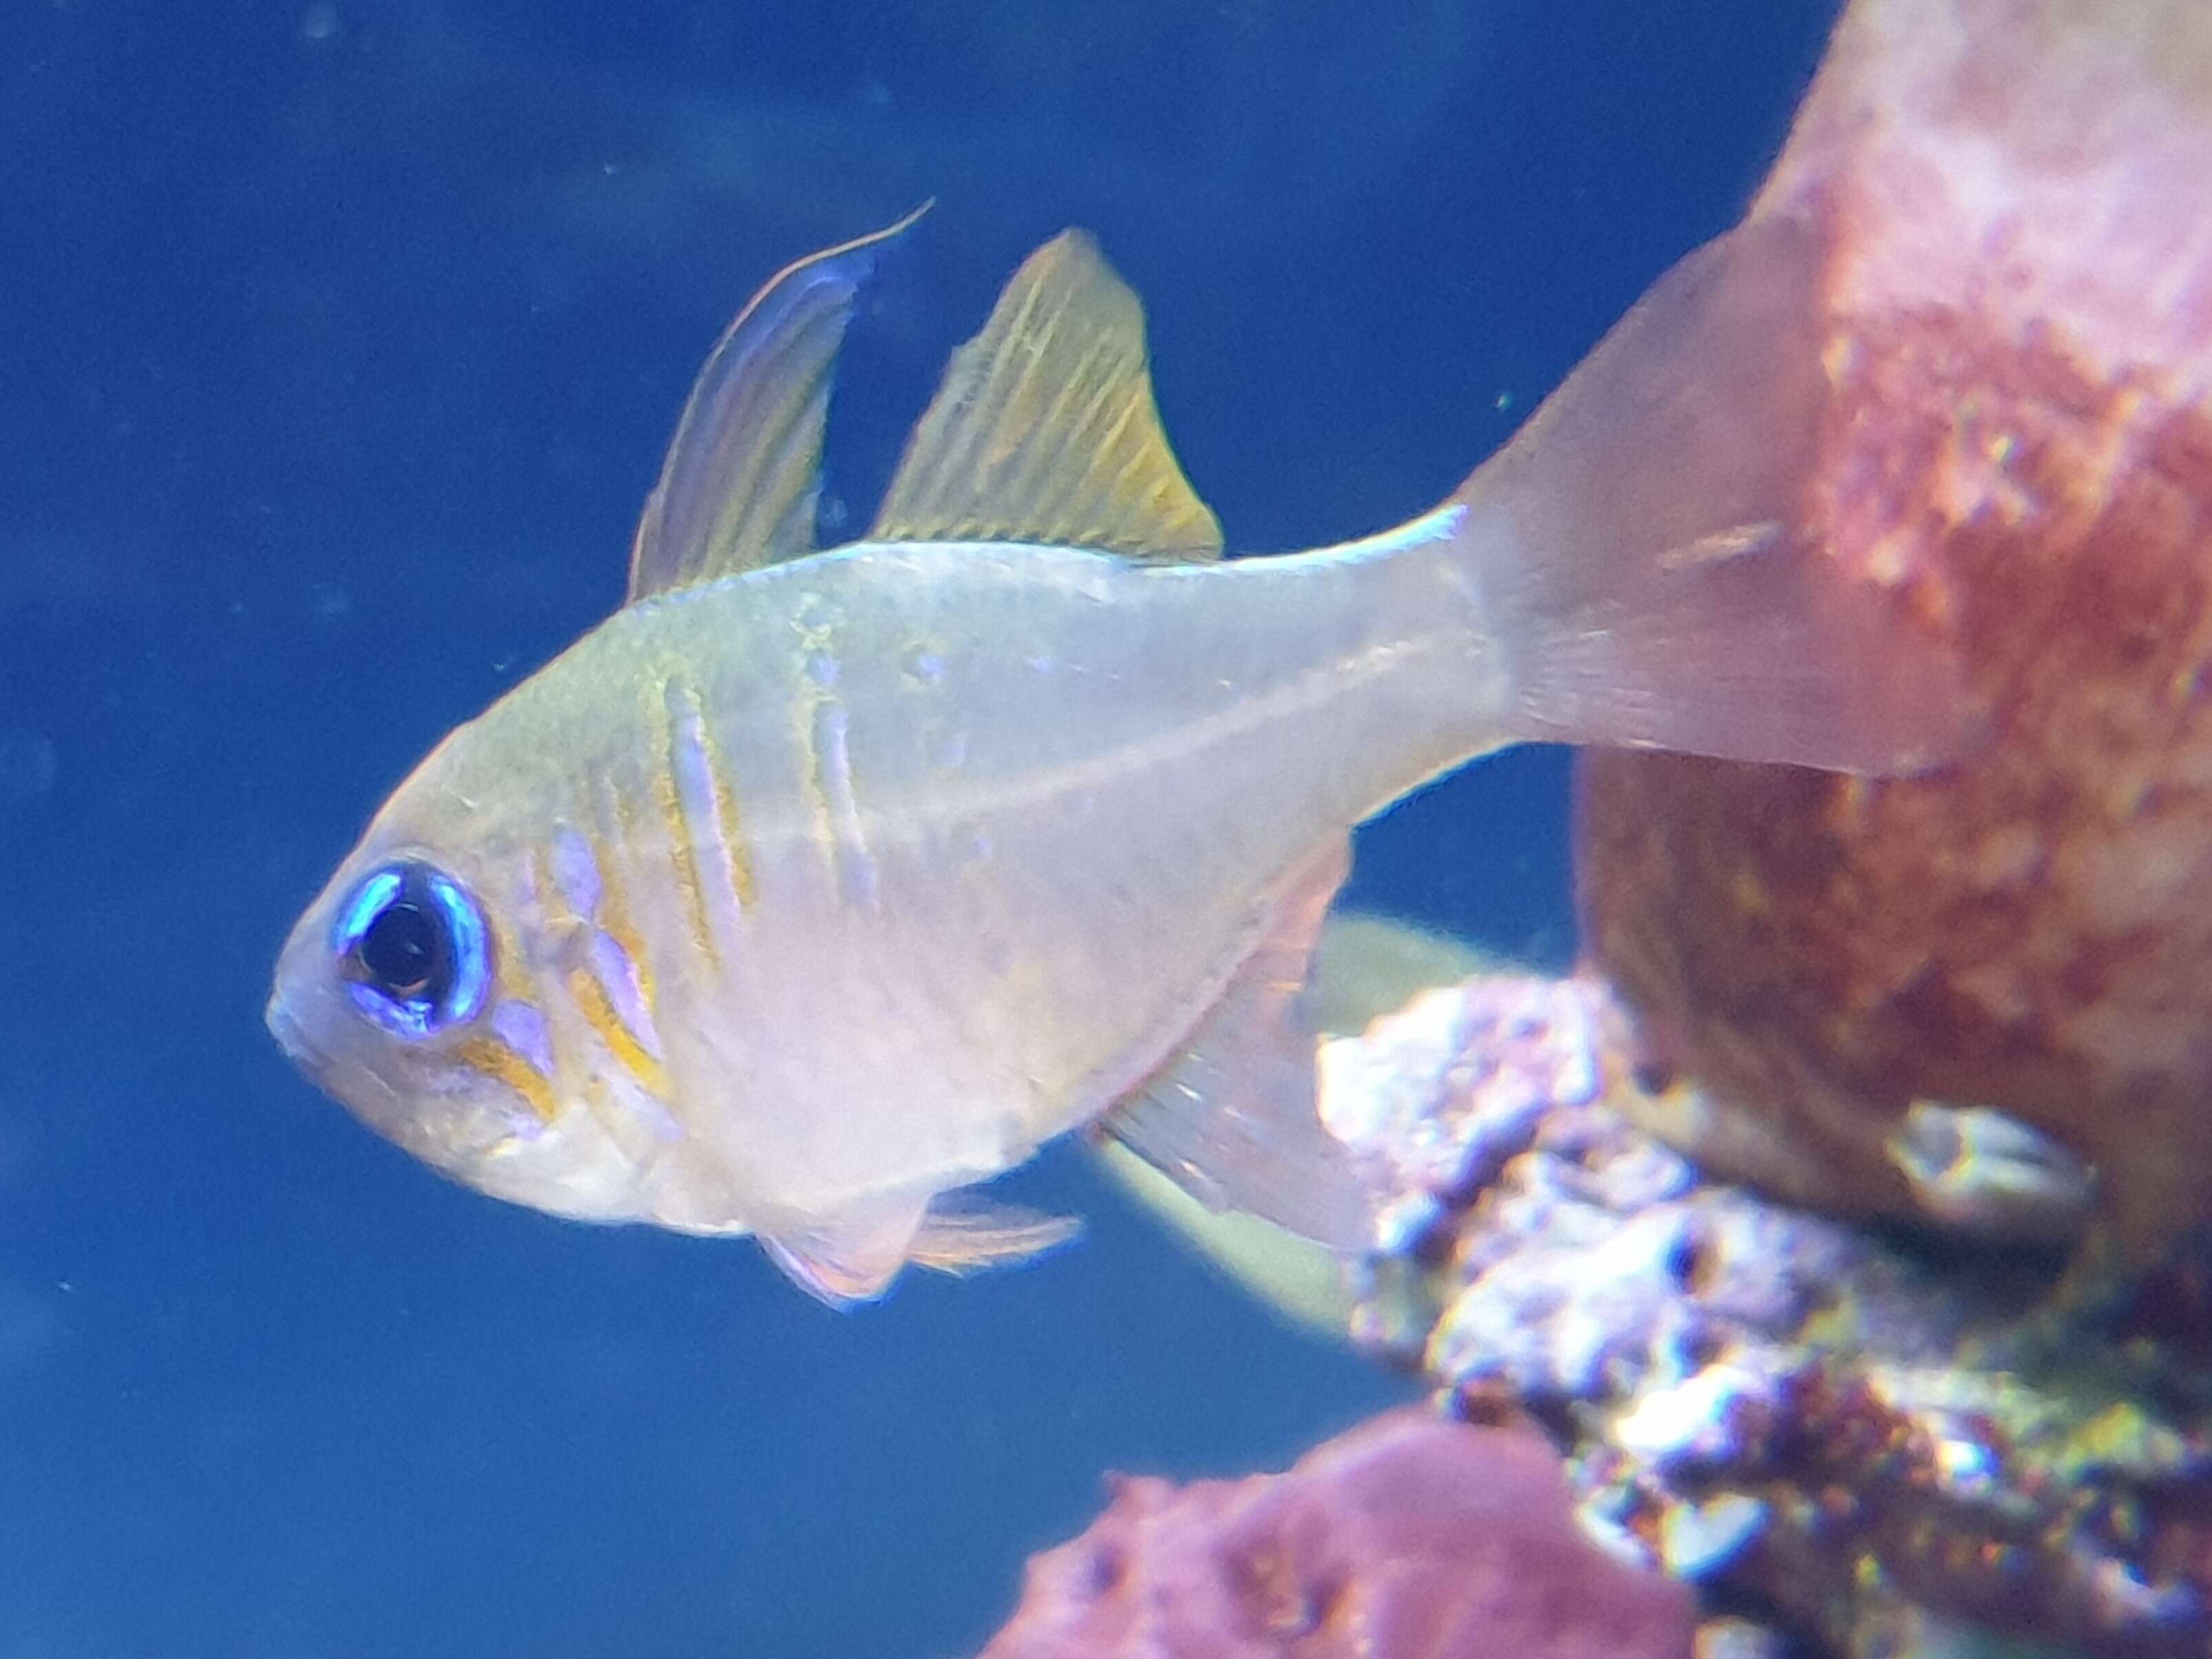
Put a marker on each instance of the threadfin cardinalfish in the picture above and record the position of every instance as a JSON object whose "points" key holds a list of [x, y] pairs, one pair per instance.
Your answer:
{"points": [[814, 887]]}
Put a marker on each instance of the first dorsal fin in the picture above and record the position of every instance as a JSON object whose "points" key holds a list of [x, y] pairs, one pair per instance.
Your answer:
{"points": [[738, 486], [1045, 429]]}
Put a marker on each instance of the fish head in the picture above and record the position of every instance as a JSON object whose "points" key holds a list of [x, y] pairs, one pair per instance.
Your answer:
{"points": [[415, 991]]}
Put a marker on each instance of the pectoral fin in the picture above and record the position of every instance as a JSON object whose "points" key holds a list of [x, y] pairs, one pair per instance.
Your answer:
{"points": [[854, 1257], [1233, 1119]]}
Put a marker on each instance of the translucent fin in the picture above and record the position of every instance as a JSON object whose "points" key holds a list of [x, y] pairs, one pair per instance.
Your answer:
{"points": [[1365, 965], [962, 1233], [738, 486], [1369, 964], [855, 1258], [1045, 429], [851, 1259], [1233, 1120], [1308, 1283], [1638, 547]]}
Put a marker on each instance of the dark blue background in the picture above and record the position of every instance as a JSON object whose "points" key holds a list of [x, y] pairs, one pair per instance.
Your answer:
{"points": [[338, 343]]}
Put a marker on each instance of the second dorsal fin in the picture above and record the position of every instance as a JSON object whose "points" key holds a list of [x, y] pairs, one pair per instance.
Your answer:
{"points": [[1045, 428], [738, 488]]}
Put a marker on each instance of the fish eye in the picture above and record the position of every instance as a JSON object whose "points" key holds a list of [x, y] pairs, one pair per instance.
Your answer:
{"points": [[414, 950]]}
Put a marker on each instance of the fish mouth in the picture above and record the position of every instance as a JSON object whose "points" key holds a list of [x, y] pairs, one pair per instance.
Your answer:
{"points": [[282, 1025]]}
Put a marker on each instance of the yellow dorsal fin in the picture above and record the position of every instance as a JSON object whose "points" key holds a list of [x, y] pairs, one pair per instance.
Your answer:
{"points": [[1045, 429], [738, 486]]}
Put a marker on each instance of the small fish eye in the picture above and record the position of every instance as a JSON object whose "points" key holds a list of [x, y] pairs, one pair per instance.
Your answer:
{"points": [[414, 950]]}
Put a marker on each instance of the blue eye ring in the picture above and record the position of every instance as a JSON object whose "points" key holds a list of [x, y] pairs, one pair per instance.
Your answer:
{"points": [[414, 950]]}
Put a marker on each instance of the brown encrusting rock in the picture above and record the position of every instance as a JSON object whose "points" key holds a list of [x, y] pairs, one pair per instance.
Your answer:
{"points": [[2016, 202]]}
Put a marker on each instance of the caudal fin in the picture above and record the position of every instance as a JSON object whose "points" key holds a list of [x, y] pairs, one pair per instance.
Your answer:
{"points": [[1639, 551]]}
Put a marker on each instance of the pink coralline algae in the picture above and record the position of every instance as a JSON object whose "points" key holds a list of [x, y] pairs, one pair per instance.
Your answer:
{"points": [[1410, 1537]]}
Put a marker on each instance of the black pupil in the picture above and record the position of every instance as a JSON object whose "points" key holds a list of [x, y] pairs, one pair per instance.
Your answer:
{"points": [[404, 953]]}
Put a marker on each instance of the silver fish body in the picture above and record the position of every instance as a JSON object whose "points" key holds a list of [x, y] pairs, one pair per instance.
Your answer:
{"points": [[812, 888], [1061, 779]]}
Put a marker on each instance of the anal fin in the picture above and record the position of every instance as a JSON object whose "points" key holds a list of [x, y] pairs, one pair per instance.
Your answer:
{"points": [[1233, 1118]]}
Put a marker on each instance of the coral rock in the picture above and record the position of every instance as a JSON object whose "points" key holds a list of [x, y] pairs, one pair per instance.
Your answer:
{"points": [[1412, 1537], [1878, 1450], [2016, 199]]}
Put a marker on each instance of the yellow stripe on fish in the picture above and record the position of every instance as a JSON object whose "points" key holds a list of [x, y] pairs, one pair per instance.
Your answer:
{"points": [[590, 1001], [673, 704], [490, 1057]]}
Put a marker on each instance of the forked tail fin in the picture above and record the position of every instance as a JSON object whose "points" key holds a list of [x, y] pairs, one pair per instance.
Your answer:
{"points": [[1637, 550]]}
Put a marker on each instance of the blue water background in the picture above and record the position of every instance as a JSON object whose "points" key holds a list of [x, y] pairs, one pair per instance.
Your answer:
{"points": [[339, 343]]}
